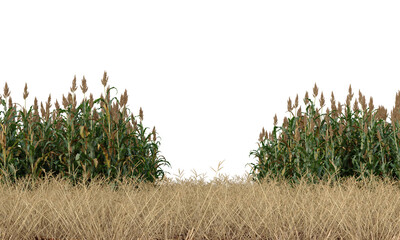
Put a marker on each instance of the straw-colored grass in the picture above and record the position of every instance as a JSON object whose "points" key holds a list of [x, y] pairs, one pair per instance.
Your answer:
{"points": [[191, 209]]}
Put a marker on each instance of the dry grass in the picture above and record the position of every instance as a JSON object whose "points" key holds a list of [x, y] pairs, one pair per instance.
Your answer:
{"points": [[193, 209]]}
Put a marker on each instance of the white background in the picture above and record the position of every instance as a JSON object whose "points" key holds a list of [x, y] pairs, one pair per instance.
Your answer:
{"points": [[208, 74]]}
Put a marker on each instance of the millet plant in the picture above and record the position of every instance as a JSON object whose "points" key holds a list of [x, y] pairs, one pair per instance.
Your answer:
{"points": [[78, 143], [316, 146]]}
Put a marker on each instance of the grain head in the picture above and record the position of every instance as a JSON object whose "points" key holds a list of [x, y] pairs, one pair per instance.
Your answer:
{"points": [[6, 92], [285, 122], [339, 108], [84, 86], [26, 93], [322, 100], [362, 101], [105, 79], [297, 135], [74, 87], [91, 101], [315, 90], [355, 106], [306, 98], [299, 112], [296, 101], [289, 105], [349, 97], [141, 114]]}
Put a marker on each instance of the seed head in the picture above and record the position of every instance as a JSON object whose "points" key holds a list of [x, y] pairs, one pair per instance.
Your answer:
{"points": [[141, 114], [105, 79], [306, 98], [124, 99], [108, 94], [6, 91], [74, 87], [57, 105], [154, 134], [362, 101], [355, 106], [35, 104], [289, 106], [304, 122], [299, 112], [322, 100], [260, 137], [333, 102], [48, 104], [285, 122], [395, 115], [114, 112], [26, 93], [275, 120], [65, 102], [381, 113], [297, 135], [315, 90], [10, 102], [327, 119], [371, 104], [84, 87], [397, 104], [91, 101], [296, 101], [69, 98], [349, 96], [42, 110], [339, 108]]}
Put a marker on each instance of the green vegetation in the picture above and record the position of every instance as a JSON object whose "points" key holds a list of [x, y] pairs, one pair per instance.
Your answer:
{"points": [[78, 143], [359, 143]]}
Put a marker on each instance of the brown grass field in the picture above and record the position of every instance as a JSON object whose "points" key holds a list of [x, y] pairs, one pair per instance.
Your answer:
{"points": [[192, 209]]}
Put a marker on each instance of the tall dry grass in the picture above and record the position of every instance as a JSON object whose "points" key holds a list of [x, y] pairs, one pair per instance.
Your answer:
{"points": [[193, 209]]}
